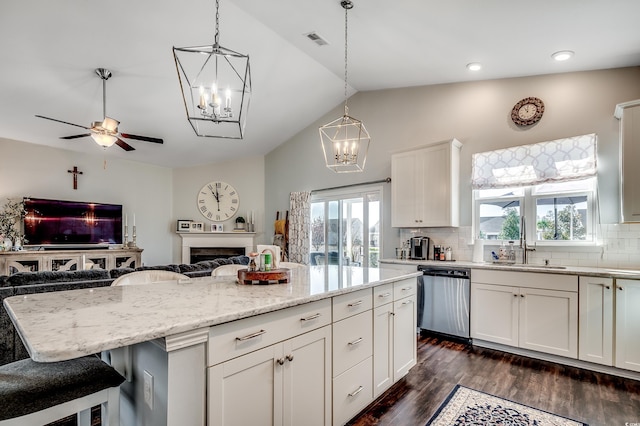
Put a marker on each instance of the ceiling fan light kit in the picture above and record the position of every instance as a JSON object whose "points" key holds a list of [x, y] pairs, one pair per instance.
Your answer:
{"points": [[216, 87], [105, 133], [345, 141]]}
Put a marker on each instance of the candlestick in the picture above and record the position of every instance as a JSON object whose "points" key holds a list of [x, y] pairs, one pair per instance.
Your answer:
{"points": [[134, 221], [126, 219], [133, 241]]}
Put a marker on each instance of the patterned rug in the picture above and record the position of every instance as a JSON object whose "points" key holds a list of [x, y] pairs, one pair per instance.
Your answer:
{"points": [[466, 406]]}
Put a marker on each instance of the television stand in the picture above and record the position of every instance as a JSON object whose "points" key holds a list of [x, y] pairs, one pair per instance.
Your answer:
{"points": [[75, 259]]}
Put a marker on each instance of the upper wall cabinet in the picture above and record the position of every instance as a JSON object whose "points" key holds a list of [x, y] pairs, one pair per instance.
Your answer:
{"points": [[629, 115], [425, 186]]}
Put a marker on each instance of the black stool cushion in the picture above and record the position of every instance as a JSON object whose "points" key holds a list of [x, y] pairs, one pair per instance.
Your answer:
{"points": [[27, 386]]}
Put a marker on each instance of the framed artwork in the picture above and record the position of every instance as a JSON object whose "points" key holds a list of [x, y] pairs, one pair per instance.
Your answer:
{"points": [[197, 226], [217, 227], [183, 225]]}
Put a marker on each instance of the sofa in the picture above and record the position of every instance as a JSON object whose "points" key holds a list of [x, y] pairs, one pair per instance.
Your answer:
{"points": [[23, 283]]}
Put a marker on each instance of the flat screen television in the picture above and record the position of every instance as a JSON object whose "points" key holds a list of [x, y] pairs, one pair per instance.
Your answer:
{"points": [[67, 224]]}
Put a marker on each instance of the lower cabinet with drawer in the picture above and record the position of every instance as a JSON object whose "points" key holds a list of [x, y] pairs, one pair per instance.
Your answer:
{"points": [[352, 354], [254, 380], [394, 333]]}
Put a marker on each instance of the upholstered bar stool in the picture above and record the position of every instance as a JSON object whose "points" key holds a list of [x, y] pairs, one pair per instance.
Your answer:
{"points": [[34, 393]]}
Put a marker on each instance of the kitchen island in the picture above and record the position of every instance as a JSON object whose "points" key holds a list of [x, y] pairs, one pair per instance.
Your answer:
{"points": [[168, 327]]}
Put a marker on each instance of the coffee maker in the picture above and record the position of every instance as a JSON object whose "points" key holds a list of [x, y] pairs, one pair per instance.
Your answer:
{"points": [[419, 248]]}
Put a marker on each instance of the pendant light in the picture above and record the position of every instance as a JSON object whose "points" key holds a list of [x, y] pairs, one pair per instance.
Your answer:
{"points": [[216, 87], [345, 141]]}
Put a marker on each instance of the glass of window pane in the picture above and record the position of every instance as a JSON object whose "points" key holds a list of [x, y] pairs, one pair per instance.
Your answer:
{"points": [[499, 219], [562, 218]]}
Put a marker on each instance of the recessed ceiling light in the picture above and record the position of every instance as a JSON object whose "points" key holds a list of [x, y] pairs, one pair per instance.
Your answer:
{"points": [[474, 66], [562, 55]]}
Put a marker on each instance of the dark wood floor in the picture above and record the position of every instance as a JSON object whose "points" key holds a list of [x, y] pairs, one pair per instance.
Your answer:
{"points": [[594, 398]]}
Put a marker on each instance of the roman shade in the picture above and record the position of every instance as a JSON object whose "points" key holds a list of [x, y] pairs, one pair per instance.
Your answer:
{"points": [[560, 160]]}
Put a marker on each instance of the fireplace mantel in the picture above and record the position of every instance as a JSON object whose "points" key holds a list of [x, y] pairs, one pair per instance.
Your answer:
{"points": [[215, 239]]}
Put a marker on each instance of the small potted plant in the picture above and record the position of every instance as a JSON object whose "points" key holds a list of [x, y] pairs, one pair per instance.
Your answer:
{"points": [[240, 223], [10, 223]]}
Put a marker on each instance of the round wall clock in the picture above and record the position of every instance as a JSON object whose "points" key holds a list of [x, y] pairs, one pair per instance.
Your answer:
{"points": [[218, 201], [528, 111]]}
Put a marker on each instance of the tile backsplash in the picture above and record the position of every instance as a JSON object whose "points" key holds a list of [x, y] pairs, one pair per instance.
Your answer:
{"points": [[619, 247]]}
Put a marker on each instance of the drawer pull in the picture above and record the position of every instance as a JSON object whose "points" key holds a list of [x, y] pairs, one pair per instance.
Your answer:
{"points": [[289, 357], [251, 336], [354, 304], [280, 361], [312, 317], [355, 342], [355, 392], [384, 295], [407, 302], [406, 288]]}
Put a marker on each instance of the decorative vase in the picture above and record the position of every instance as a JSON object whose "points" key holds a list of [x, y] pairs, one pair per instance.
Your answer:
{"points": [[7, 244]]}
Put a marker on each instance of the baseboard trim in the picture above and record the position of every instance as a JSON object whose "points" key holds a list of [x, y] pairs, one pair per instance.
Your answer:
{"points": [[627, 374]]}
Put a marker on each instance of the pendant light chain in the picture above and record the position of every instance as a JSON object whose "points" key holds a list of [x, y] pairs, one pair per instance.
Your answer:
{"points": [[217, 39], [346, 4]]}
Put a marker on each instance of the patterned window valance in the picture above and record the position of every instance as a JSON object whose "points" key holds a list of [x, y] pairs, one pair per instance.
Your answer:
{"points": [[554, 161]]}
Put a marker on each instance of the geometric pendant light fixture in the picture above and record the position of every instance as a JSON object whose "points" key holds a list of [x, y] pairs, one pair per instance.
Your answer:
{"points": [[345, 140], [216, 87]]}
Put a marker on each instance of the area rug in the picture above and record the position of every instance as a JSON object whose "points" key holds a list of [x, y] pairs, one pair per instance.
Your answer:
{"points": [[466, 406]]}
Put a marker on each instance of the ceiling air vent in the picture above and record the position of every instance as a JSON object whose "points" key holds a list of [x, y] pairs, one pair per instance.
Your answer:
{"points": [[316, 38]]}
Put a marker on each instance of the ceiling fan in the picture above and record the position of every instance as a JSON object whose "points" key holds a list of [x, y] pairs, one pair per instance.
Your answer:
{"points": [[105, 132]]}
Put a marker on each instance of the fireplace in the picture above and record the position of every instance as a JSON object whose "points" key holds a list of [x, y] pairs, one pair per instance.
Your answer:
{"points": [[215, 245], [210, 253]]}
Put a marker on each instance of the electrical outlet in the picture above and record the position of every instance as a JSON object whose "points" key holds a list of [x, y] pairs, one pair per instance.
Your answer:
{"points": [[148, 389]]}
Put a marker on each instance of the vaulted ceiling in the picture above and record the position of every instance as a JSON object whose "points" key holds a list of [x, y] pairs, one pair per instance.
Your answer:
{"points": [[49, 50]]}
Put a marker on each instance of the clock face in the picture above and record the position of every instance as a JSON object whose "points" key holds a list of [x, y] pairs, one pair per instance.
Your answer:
{"points": [[218, 201], [528, 111]]}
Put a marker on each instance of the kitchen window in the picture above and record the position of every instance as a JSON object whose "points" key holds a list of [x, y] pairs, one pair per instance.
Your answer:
{"points": [[345, 227], [553, 182]]}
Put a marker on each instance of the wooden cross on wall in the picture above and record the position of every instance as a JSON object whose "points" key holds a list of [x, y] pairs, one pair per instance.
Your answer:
{"points": [[75, 172]]}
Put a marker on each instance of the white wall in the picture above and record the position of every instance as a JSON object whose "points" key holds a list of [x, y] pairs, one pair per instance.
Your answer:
{"points": [[477, 114], [39, 171]]}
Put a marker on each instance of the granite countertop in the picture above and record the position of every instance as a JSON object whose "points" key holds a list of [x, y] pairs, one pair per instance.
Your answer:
{"points": [[69, 324], [552, 269]]}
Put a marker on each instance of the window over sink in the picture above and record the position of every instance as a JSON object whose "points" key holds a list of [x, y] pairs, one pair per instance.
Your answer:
{"points": [[554, 182]]}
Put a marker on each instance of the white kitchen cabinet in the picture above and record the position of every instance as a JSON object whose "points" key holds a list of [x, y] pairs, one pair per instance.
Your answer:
{"points": [[627, 328], [283, 384], [494, 313], [394, 331], [629, 115], [425, 186], [526, 310], [595, 341]]}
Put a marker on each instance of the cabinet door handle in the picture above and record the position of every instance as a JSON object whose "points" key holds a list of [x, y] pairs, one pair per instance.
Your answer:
{"points": [[251, 336], [355, 342], [355, 392], [383, 295], [310, 318], [515, 295], [606, 286], [289, 357], [522, 295], [620, 288], [280, 361], [354, 304]]}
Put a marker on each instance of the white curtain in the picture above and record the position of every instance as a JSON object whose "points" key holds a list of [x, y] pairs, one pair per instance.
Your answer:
{"points": [[299, 227], [560, 160]]}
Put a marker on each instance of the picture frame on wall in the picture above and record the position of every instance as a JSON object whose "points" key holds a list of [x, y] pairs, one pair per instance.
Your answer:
{"points": [[216, 227], [183, 225], [197, 227]]}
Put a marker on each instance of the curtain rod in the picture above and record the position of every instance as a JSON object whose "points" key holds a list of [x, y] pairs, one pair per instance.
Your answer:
{"points": [[387, 180]]}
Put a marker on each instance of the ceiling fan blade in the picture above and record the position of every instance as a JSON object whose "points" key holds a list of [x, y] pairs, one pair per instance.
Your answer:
{"points": [[141, 138], [60, 121], [75, 136], [122, 144]]}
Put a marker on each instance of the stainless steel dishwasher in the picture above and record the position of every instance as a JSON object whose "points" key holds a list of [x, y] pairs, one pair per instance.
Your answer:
{"points": [[443, 299]]}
